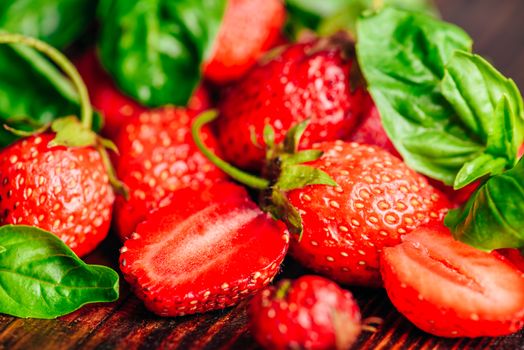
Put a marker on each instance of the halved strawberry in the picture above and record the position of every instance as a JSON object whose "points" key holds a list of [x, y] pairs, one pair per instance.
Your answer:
{"points": [[450, 289], [205, 251]]}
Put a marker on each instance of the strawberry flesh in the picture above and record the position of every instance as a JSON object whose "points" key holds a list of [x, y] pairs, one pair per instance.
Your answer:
{"points": [[450, 289], [205, 251]]}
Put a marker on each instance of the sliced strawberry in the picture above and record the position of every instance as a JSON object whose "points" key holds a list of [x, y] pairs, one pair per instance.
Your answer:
{"points": [[205, 251], [249, 28], [450, 289], [512, 256]]}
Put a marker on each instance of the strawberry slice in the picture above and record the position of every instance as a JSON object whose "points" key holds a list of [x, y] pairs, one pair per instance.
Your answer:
{"points": [[450, 289], [204, 251]]}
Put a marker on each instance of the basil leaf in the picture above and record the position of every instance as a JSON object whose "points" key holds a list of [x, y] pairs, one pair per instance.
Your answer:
{"points": [[488, 104], [154, 49], [403, 56], [492, 217], [329, 16], [58, 22], [41, 277]]}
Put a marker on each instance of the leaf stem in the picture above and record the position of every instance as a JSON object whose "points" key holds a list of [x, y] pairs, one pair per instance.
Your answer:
{"points": [[86, 111], [237, 174]]}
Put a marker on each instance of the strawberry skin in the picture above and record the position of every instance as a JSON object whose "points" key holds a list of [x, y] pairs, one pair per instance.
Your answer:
{"points": [[62, 190], [310, 312], [158, 156], [305, 80], [378, 200], [205, 251], [116, 107], [450, 289], [249, 28]]}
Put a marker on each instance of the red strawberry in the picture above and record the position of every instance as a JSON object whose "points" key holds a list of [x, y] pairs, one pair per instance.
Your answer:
{"points": [[249, 28], [450, 289], [306, 80], [378, 199], [308, 313], [62, 190], [371, 132], [117, 108], [158, 156], [203, 252], [511, 255]]}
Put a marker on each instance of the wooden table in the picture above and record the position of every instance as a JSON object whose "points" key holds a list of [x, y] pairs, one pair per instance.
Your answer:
{"points": [[498, 28]]}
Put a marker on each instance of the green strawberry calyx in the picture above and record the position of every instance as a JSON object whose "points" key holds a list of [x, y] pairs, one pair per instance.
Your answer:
{"points": [[284, 171], [69, 131]]}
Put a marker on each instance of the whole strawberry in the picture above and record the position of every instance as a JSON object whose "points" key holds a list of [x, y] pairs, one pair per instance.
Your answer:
{"points": [[305, 80], [117, 108], [249, 28], [377, 200], [64, 190], [205, 251], [158, 156], [310, 312]]}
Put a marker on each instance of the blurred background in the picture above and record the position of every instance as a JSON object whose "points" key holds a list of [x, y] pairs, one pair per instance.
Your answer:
{"points": [[497, 28]]}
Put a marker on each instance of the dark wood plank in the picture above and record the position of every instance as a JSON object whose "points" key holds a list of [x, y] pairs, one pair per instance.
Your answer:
{"points": [[498, 30]]}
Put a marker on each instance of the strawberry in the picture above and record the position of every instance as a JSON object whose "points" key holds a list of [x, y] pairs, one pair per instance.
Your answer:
{"points": [[450, 289], [158, 156], [248, 28], [310, 312], [378, 199], [511, 255], [116, 107], [371, 132], [205, 251], [305, 80], [63, 190]]}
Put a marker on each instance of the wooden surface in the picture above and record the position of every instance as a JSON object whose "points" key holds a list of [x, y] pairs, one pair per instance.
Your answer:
{"points": [[498, 29]]}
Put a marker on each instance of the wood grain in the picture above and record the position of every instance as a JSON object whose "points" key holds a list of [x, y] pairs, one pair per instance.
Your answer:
{"points": [[498, 29]]}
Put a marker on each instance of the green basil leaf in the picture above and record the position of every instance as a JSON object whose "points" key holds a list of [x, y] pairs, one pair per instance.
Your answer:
{"points": [[403, 57], [474, 89], [329, 16], [41, 277], [492, 218], [58, 22], [477, 168], [154, 49]]}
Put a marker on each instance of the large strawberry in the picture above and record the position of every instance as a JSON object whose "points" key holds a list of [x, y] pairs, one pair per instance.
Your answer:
{"points": [[450, 289], [249, 28], [206, 250], [308, 313], [378, 199], [116, 107], [305, 80], [345, 201], [59, 189], [158, 156]]}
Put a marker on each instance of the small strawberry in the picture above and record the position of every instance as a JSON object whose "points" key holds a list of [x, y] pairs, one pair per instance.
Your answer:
{"points": [[378, 199], [59, 189], [450, 289], [116, 107], [158, 156], [344, 201], [249, 28], [205, 251], [305, 80], [308, 313]]}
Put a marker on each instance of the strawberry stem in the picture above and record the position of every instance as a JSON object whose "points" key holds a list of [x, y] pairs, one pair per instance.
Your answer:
{"points": [[86, 112], [237, 174], [283, 288]]}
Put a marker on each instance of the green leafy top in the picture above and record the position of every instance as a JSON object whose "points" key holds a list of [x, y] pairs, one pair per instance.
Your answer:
{"points": [[285, 170], [449, 113], [154, 49], [41, 277]]}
